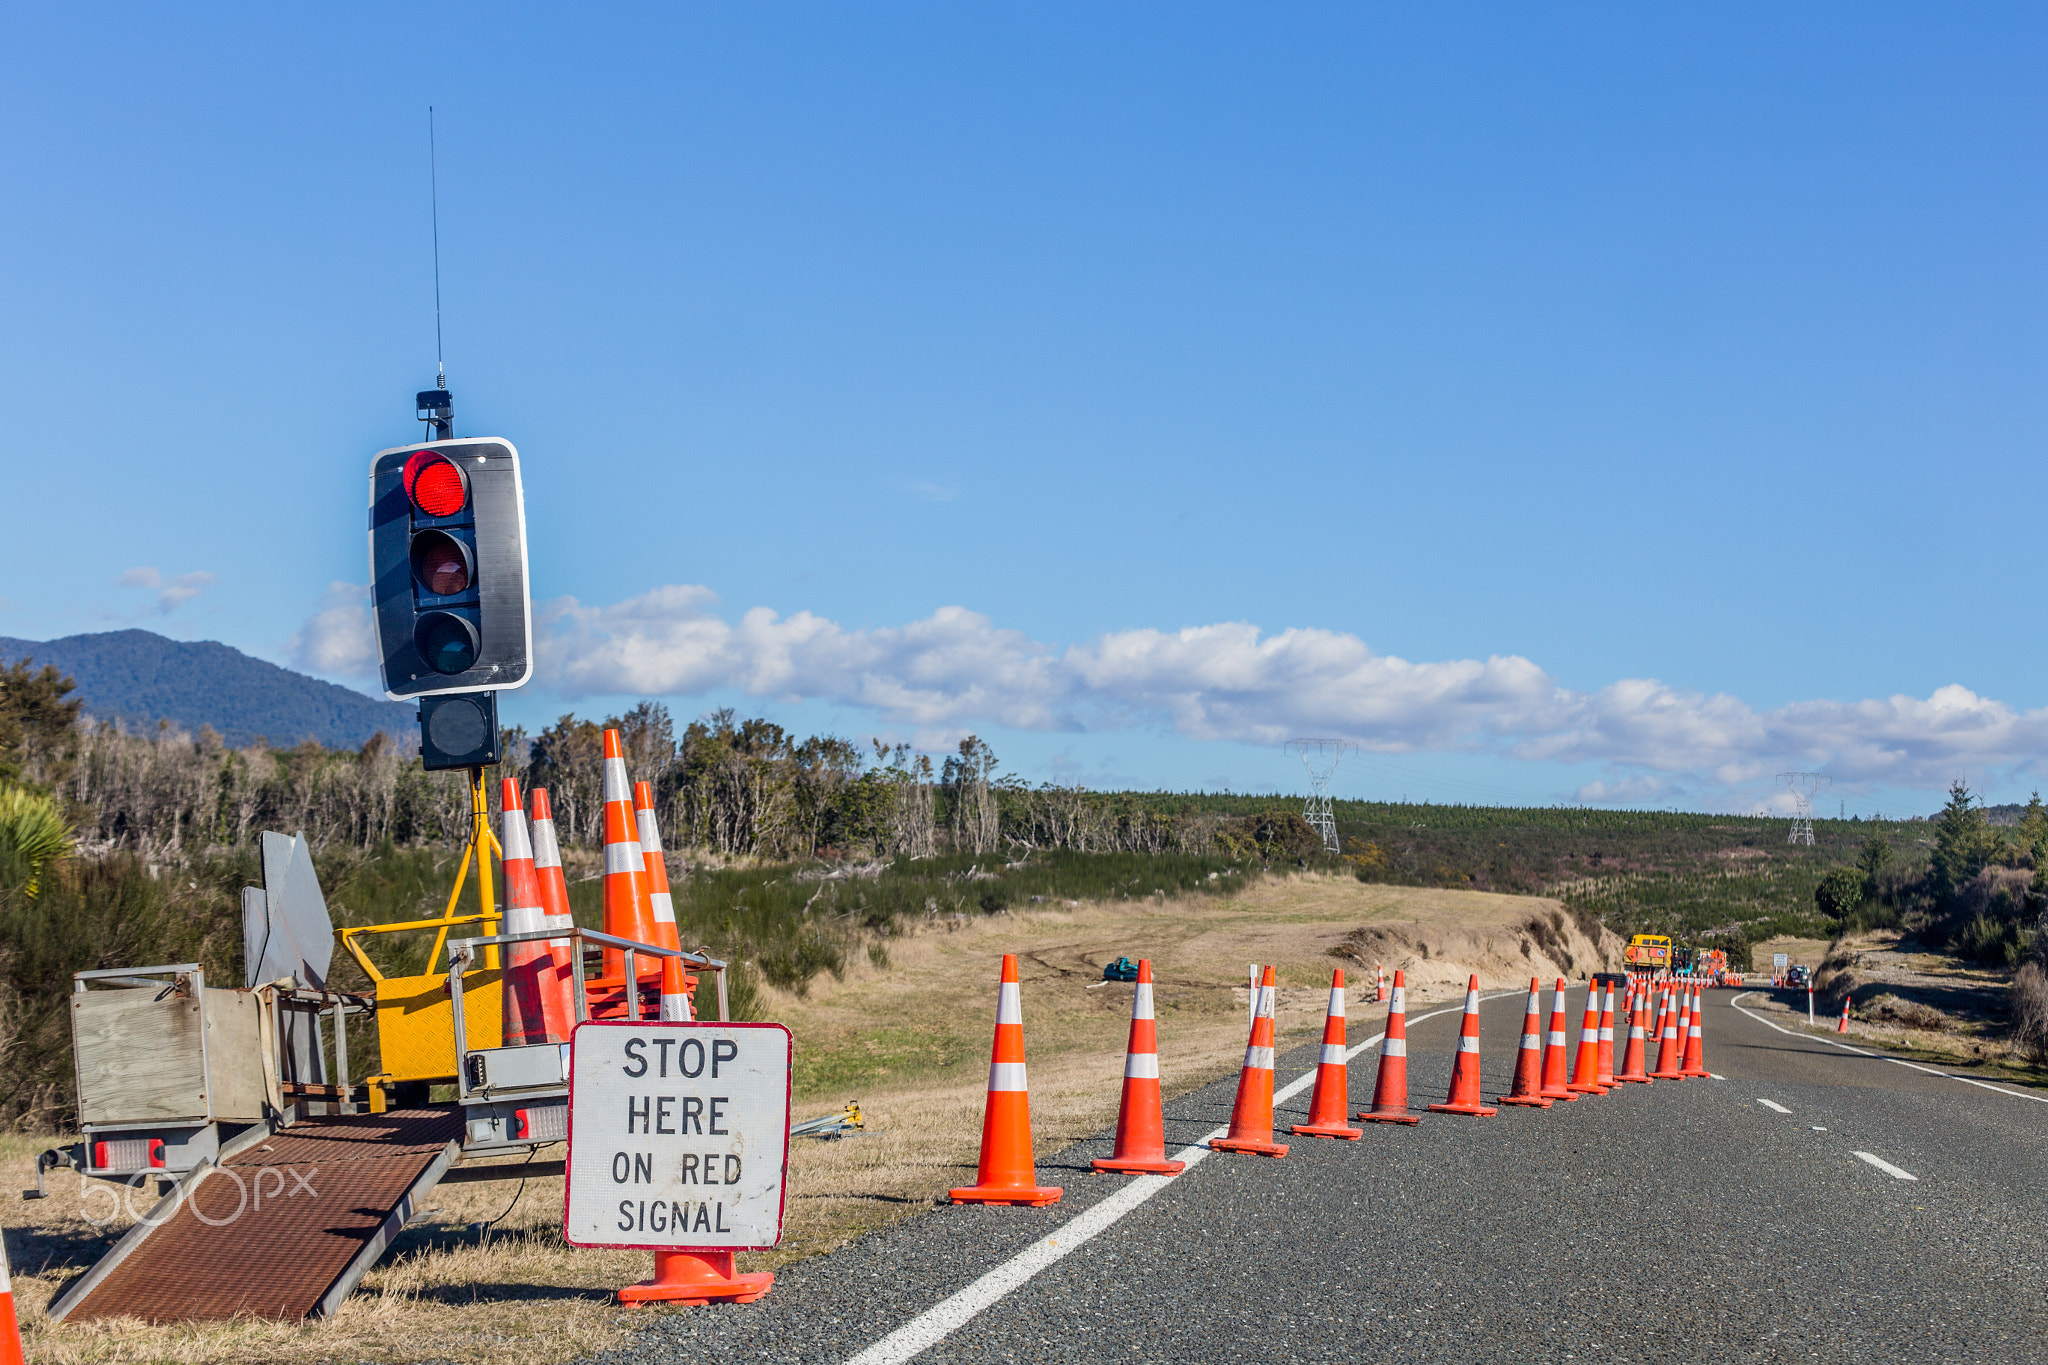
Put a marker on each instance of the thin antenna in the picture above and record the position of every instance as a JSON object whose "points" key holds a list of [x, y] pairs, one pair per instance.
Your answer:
{"points": [[434, 202]]}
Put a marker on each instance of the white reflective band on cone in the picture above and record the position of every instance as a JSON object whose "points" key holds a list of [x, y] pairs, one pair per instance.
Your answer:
{"points": [[1557, 1037], [1259, 1057], [1394, 1047], [1141, 1001], [1006, 1076], [515, 844], [1336, 1002], [546, 852], [675, 1008], [1468, 1045], [1333, 1054], [1398, 1003], [650, 834], [621, 858], [1266, 1002], [524, 919], [664, 906], [1531, 1043], [1471, 1002], [1141, 1066], [1607, 1035], [1009, 1004], [616, 787]]}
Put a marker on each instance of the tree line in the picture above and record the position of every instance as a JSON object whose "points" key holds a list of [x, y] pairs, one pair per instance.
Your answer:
{"points": [[727, 785]]}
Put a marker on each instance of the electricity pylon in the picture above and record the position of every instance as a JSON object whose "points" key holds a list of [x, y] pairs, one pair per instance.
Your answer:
{"points": [[1320, 757], [1802, 786]]}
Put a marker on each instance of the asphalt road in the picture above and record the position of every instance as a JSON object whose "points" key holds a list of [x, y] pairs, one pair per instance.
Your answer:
{"points": [[1684, 1221]]}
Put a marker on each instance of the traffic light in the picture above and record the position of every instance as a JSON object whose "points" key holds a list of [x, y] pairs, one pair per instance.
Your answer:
{"points": [[448, 568]]}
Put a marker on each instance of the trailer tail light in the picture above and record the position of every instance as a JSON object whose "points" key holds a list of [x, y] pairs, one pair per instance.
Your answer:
{"points": [[546, 1123], [128, 1154]]}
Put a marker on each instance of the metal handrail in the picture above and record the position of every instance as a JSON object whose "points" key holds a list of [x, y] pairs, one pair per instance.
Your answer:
{"points": [[462, 953]]}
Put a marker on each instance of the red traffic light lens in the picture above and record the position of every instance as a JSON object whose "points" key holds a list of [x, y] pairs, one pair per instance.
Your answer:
{"points": [[447, 642], [441, 563], [436, 485]]}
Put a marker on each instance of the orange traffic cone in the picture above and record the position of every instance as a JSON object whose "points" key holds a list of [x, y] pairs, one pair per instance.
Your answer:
{"points": [[1380, 997], [539, 1005], [1141, 1120], [1251, 1118], [654, 867], [696, 1278], [1667, 1044], [1529, 1061], [1605, 1075], [1007, 1174], [626, 909], [1326, 1108], [1684, 1020], [10, 1328], [547, 869], [1554, 1072], [1634, 1061], [1842, 1025], [1464, 1095], [1695, 1062], [1586, 1066], [1390, 1090]]}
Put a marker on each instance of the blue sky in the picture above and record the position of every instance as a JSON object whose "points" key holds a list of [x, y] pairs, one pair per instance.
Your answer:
{"points": [[1614, 403]]}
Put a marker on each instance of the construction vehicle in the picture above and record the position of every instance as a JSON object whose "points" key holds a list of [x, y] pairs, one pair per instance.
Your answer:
{"points": [[216, 1096], [1648, 953]]}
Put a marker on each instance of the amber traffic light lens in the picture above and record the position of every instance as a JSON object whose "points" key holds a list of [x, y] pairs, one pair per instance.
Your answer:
{"points": [[441, 563], [435, 485]]}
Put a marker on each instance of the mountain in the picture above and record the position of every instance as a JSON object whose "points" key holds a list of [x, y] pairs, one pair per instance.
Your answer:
{"points": [[137, 677]]}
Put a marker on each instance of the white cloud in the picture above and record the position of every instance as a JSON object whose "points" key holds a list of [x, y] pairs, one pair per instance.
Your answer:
{"points": [[171, 593], [955, 670], [339, 640]]}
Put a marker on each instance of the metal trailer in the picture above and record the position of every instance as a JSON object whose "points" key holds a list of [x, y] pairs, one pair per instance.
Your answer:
{"points": [[170, 1069], [215, 1093]]}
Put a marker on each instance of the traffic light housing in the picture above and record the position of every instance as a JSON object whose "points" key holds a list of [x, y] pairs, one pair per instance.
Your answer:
{"points": [[459, 730], [448, 568]]}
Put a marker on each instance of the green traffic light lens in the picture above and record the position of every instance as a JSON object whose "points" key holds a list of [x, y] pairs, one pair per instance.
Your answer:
{"points": [[446, 641]]}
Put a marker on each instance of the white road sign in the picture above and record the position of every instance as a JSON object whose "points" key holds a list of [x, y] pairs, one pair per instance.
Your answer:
{"points": [[678, 1135], [1780, 961]]}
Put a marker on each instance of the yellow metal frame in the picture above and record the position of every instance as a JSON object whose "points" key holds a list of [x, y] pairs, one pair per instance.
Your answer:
{"points": [[415, 1023]]}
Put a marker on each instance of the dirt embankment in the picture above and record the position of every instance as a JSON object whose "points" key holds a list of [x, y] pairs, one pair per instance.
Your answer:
{"points": [[1547, 943]]}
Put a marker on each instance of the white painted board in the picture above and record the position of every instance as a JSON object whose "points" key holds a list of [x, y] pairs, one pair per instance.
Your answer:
{"points": [[1780, 961], [678, 1135]]}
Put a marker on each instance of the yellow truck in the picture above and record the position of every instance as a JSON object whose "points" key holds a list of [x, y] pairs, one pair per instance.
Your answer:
{"points": [[1648, 953]]}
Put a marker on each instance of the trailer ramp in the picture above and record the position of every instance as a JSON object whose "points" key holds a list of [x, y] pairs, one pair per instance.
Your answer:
{"points": [[282, 1228]]}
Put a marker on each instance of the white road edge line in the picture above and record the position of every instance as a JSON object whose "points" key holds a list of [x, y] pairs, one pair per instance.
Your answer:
{"points": [[1736, 1005], [949, 1315], [1774, 1106], [1887, 1167]]}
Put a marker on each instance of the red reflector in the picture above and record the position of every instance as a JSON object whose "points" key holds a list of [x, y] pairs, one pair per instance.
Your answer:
{"points": [[435, 486], [521, 1125]]}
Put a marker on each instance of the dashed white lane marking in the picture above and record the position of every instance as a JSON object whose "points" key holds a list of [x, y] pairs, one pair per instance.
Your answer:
{"points": [[1736, 1005], [949, 1315], [1887, 1167], [1774, 1106]]}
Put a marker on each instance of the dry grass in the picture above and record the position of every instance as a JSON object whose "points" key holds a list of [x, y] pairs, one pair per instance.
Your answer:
{"points": [[909, 1039]]}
